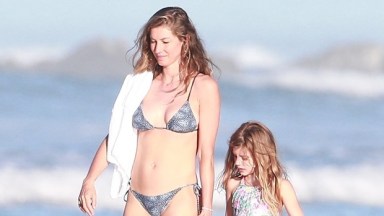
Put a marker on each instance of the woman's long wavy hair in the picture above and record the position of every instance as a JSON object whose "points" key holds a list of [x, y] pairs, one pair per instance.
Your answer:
{"points": [[194, 59], [258, 139]]}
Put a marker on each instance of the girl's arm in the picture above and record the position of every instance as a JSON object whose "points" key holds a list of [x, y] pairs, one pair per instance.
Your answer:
{"points": [[209, 115], [87, 196], [289, 199]]}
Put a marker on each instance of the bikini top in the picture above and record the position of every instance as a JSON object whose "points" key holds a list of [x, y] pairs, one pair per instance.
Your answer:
{"points": [[247, 200], [182, 122]]}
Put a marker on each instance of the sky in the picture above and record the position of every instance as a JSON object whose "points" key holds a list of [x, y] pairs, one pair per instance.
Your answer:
{"points": [[290, 27]]}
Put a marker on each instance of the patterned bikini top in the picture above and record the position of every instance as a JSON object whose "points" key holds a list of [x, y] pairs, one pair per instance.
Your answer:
{"points": [[182, 122], [247, 201]]}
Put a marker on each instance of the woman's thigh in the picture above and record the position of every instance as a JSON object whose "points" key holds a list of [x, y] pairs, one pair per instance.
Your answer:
{"points": [[133, 207], [183, 203]]}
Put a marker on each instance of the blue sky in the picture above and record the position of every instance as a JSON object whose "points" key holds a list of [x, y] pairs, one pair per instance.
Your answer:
{"points": [[287, 26]]}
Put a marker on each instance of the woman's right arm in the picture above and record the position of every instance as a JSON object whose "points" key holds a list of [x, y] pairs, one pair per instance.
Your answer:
{"points": [[228, 203], [231, 185], [87, 196]]}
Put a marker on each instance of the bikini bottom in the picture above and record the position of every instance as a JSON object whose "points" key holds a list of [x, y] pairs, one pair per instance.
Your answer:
{"points": [[155, 205]]}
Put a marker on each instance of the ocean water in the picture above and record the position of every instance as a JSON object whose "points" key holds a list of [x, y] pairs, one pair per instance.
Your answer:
{"points": [[329, 129]]}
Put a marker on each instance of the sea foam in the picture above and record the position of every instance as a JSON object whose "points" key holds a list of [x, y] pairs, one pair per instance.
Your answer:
{"points": [[346, 83], [359, 184]]}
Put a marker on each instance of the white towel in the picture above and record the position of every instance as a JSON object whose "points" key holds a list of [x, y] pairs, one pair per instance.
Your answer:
{"points": [[122, 139]]}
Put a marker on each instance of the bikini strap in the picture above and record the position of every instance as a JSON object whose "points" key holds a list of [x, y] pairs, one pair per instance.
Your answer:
{"points": [[190, 90]]}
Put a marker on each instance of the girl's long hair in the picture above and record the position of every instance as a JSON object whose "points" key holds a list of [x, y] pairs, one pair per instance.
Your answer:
{"points": [[259, 140], [194, 59]]}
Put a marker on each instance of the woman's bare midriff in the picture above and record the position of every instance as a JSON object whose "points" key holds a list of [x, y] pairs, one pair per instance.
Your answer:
{"points": [[164, 161]]}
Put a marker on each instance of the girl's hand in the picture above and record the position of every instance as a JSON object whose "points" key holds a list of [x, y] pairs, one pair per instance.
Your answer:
{"points": [[87, 198]]}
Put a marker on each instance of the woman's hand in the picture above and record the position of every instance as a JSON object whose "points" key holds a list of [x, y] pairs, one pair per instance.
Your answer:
{"points": [[87, 198], [206, 212]]}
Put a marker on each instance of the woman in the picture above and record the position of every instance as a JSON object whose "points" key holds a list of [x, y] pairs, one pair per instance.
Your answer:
{"points": [[171, 108]]}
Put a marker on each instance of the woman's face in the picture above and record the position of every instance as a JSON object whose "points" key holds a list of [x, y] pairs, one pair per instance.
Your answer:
{"points": [[165, 46], [243, 160]]}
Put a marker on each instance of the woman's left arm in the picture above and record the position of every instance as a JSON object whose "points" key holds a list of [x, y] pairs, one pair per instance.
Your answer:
{"points": [[209, 117]]}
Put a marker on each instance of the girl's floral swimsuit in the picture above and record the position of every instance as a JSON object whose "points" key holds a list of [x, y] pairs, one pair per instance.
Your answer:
{"points": [[247, 201]]}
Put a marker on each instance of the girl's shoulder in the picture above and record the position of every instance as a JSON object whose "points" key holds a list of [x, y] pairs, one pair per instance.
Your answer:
{"points": [[289, 198], [285, 183], [232, 184], [286, 188]]}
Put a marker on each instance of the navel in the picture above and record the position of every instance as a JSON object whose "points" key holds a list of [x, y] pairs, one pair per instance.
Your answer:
{"points": [[153, 165]]}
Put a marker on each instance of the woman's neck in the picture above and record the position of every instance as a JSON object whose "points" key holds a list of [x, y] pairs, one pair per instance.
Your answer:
{"points": [[170, 78], [170, 75]]}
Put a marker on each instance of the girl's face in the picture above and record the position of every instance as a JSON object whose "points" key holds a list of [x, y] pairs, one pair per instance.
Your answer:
{"points": [[165, 46], [243, 161]]}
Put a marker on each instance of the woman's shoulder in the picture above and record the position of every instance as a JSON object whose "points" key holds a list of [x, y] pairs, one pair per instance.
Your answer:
{"points": [[205, 83], [205, 79]]}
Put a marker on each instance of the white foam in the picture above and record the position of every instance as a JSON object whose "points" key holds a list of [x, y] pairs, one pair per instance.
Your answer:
{"points": [[55, 185], [255, 57], [353, 184], [348, 83], [250, 56], [360, 184], [29, 56]]}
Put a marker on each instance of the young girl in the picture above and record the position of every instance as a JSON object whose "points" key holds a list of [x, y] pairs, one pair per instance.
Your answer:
{"points": [[253, 178]]}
